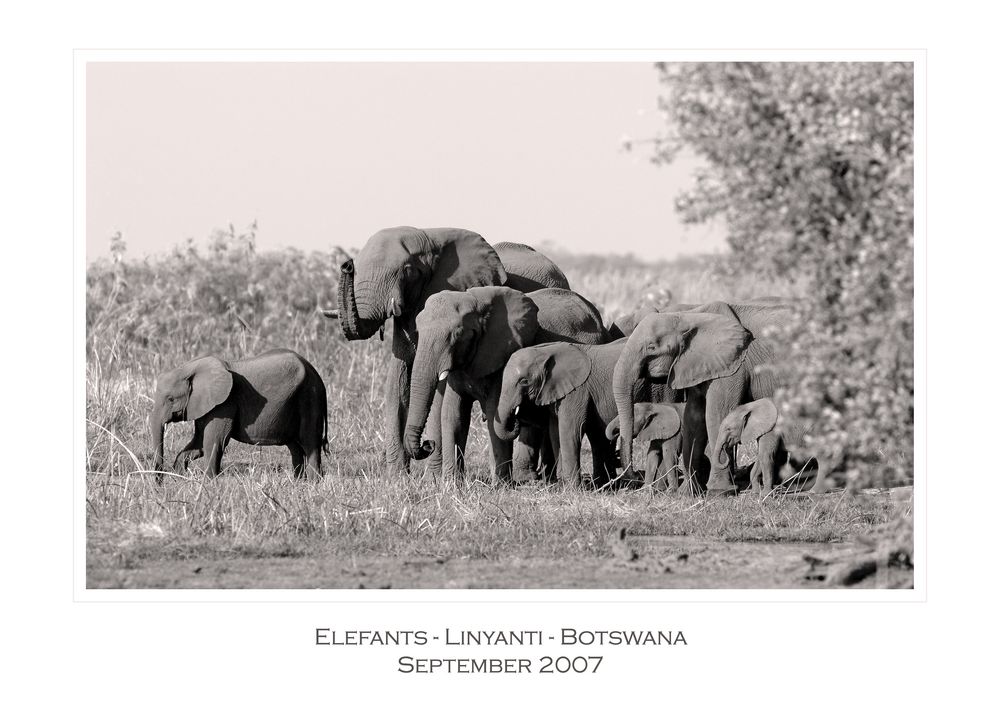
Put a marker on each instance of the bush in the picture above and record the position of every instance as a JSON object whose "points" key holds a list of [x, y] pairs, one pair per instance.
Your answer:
{"points": [[811, 165]]}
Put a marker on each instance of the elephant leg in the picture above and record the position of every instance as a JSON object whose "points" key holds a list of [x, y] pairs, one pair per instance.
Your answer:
{"points": [[672, 462], [603, 454], [397, 396], [298, 458], [217, 433], [696, 463], [503, 453], [547, 455], [456, 412], [767, 461], [569, 448], [527, 450], [722, 397], [554, 444], [314, 462], [191, 451], [654, 460]]}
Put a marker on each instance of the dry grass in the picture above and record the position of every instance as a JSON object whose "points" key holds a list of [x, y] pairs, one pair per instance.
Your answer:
{"points": [[256, 509]]}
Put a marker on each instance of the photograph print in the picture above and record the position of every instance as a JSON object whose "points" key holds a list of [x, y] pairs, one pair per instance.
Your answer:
{"points": [[514, 325]]}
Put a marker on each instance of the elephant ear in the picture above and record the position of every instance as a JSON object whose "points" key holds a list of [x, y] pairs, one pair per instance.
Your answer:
{"points": [[661, 423], [713, 346], [567, 367], [761, 419], [461, 260], [211, 382], [508, 322]]}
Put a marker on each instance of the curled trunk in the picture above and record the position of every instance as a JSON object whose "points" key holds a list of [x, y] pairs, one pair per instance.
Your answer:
{"points": [[422, 388], [354, 325], [506, 425], [721, 456]]}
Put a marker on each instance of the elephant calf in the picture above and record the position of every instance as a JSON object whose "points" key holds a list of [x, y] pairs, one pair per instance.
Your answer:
{"points": [[574, 382], [755, 422], [659, 424], [276, 398]]}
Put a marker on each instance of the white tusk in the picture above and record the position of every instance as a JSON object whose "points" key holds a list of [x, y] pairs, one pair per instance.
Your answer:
{"points": [[443, 376], [517, 409]]}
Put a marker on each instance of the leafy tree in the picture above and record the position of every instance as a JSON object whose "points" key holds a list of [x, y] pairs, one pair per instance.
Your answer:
{"points": [[811, 166]]}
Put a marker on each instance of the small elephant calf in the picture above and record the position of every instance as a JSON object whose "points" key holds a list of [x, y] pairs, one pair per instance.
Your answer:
{"points": [[276, 398], [757, 421], [659, 424]]}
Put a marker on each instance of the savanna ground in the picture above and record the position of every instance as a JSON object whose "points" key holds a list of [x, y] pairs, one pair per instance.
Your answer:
{"points": [[358, 527]]}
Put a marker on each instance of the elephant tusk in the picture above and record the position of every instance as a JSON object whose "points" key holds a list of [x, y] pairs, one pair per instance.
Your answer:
{"points": [[517, 410], [443, 376], [331, 313]]}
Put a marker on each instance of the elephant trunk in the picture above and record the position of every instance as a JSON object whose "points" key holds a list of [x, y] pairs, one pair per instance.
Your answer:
{"points": [[720, 455], [422, 388], [156, 432], [624, 382], [354, 325], [506, 425]]}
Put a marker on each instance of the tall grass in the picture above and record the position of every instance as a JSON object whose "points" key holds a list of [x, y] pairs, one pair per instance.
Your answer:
{"points": [[147, 315]]}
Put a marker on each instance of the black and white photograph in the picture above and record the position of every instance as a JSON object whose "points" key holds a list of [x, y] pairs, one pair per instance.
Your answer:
{"points": [[614, 324]]}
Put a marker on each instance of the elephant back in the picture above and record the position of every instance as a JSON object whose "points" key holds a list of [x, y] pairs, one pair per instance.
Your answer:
{"points": [[275, 376], [529, 270], [565, 316]]}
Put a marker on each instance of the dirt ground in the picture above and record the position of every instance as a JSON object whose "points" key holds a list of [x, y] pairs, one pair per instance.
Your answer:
{"points": [[640, 562]]}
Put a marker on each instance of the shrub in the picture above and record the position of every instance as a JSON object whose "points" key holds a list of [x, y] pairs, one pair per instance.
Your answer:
{"points": [[811, 165]]}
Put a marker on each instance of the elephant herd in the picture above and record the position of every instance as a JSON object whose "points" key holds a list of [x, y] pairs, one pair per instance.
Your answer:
{"points": [[499, 325]]}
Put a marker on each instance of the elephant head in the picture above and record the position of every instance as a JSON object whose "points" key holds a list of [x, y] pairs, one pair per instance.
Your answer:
{"points": [[399, 268], [745, 425], [682, 349], [472, 333], [542, 375], [651, 421], [187, 393]]}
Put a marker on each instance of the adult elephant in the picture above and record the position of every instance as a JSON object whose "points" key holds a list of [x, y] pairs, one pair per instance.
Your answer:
{"points": [[718, 354], [466, 338], [399, 269]]}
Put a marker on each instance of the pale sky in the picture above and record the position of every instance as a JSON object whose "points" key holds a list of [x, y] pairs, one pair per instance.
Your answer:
{"points": [[328, 153]]}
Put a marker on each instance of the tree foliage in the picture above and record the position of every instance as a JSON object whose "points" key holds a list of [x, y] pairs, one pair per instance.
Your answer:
{"points": [[811, 166]]}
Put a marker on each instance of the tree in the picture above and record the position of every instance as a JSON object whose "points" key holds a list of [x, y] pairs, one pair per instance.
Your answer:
{"points": [[811, 166]]}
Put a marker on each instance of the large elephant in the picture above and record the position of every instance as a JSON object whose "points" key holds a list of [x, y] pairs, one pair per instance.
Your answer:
{"points": [[399, 269], [466, 338], [718, 354], [276, 398]]}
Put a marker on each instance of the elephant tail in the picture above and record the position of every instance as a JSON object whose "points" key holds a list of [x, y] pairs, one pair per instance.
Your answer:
{"points": [[326, 428]]}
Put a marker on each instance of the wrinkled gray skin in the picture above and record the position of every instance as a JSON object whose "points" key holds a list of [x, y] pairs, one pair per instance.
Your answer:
{"points": [[573, 383], [659, 424], [467, 338], [392, 278], [714, 352], [757, 422], [276, 398]]}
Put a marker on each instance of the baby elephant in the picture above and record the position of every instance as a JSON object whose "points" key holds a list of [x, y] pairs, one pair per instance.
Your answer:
{"points": [[659, 424], [574, 382], [756, 422], [276, 398]]}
